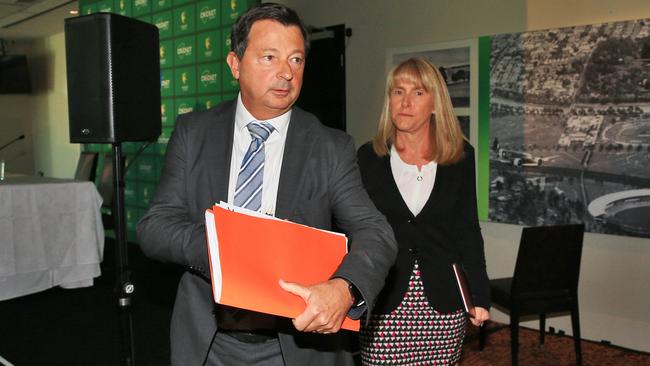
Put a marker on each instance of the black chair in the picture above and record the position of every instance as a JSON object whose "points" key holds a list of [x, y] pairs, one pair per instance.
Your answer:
{"points": [[87, 166], [545, 281]]}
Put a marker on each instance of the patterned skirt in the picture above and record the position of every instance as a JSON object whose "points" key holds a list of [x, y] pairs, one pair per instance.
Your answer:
{"points": [[414, 333]]}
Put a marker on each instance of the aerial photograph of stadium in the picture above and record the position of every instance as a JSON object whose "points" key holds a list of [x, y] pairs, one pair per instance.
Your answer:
{"points": [[570, 127]]}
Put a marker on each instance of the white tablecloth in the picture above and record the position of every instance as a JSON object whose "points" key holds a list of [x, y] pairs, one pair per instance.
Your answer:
{"points": [[51, 234]]}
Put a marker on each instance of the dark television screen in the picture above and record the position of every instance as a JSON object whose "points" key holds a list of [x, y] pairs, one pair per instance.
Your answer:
{"points": [[14, 75]]}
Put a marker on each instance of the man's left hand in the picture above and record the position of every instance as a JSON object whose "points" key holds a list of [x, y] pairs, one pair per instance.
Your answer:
{"points": [[327, 305]]}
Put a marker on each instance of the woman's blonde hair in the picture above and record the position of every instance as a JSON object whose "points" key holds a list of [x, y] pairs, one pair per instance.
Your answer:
{"points": [[446, 134]]}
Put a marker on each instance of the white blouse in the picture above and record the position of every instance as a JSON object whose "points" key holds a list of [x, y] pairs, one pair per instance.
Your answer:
{"points": [[415, 185]]}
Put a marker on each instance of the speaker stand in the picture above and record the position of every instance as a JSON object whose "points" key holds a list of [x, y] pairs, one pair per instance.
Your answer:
{"points": [[124, 286]]}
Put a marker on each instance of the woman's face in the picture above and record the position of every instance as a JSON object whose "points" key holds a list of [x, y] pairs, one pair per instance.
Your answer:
{"points": [[411, 106]]}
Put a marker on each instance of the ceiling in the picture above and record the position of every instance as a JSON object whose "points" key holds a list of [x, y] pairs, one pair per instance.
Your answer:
{"points": [[30, 19]]}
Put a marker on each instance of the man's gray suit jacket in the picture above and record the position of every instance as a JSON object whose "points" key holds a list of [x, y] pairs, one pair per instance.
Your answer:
{"points": [[319, 181]]}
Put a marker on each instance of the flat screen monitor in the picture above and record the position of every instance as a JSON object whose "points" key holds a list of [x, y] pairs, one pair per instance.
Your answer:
{"points": [[14, 75]]}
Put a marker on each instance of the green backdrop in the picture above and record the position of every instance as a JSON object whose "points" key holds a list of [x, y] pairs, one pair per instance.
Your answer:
{"points": [[194, 41]]}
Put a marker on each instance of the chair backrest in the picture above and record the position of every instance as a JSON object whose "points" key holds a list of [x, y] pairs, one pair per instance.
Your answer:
{"points": [[105, 185], [548, 260], [87, 166]]}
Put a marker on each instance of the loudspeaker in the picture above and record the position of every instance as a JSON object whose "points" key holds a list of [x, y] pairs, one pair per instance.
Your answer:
{"points": [[113, 74]]}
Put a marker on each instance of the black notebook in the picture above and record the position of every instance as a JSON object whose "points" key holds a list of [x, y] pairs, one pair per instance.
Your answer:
{"points": [[463, 288]]}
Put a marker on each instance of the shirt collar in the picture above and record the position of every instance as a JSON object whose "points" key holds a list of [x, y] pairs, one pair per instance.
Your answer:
{"points": [[243, 117], [396, 160]]}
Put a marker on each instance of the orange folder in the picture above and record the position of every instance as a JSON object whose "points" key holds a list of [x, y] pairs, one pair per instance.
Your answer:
{"points": [[250, 252]]}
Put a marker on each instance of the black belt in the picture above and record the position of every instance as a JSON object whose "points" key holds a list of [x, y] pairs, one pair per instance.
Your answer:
{"points": [[250, 336]]}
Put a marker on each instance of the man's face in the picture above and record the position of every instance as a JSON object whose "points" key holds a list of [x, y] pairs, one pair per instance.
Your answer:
{"points": [[271, 70]]}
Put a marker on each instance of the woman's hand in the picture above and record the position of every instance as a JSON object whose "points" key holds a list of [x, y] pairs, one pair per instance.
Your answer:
{"points": [[480, 315]]}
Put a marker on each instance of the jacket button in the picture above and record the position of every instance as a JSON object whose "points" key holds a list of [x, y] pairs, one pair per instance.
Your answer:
{"points": [[413, 250], [411, 221]]}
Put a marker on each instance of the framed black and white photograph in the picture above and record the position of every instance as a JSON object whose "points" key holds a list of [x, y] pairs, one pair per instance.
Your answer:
{"points": [[570, 127]]}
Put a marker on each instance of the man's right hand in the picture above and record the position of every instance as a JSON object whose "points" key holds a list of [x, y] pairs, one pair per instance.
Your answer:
{"points": [[327, 305]]}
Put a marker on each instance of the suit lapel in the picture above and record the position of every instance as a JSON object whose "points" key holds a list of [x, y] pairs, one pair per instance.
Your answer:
{"points": [[297, 148], [219, 151]]}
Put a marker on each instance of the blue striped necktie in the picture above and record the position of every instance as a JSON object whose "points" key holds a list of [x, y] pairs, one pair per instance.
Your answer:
{"points": [[248, 192]]}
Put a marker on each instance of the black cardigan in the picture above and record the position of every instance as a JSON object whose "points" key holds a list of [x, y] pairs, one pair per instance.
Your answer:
{"points": [[445, 231]]}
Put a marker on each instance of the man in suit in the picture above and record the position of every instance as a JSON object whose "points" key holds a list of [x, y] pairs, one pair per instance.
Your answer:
{"points": [[308, 175]]}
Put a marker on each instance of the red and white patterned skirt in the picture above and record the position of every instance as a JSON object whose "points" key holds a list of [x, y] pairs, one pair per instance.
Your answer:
{"points": [[414, 333]]}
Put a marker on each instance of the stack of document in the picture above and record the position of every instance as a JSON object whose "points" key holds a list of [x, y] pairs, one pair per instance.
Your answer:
{"points": [[250, 252]]}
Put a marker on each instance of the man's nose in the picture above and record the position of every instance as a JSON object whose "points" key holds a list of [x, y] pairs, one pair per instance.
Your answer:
{"points": [[285, 71]]}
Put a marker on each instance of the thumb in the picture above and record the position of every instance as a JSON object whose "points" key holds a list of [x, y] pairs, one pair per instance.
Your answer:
{"points": [[295, 289]]}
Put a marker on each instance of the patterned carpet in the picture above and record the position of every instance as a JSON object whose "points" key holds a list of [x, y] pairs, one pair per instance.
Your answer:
{"points": [[556, 351]]}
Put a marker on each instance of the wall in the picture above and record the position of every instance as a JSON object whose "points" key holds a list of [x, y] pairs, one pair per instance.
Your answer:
{"points": [[54, 155], [558, 13], [614, 290], [16, 121], [378, 25], [42, 116]]}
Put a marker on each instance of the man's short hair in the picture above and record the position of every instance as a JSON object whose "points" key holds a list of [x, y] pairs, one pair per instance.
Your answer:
{"points": [[271, 11]]}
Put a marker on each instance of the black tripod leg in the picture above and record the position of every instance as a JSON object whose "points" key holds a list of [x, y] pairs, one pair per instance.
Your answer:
{"points": [[125, 287]]}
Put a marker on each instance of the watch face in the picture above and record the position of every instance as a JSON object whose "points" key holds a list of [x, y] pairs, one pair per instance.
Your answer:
{"points": [[357, 299]]}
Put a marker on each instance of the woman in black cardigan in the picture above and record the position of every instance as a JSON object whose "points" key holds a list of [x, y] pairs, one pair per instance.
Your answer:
{"points": [[419, 171]]}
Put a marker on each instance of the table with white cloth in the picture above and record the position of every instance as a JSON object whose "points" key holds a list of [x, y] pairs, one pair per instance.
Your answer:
{"points": [[51, 234]]}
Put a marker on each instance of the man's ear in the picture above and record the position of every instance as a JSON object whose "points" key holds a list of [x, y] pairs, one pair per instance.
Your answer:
{"points": [[233, 63]]}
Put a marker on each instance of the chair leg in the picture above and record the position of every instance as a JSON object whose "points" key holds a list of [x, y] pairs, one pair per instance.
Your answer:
{"points": [[542, 327], [514, 337], [482, 335], [575, 324]]}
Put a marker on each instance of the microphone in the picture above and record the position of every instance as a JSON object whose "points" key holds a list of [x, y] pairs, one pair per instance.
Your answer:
{"points": [[12, 141]]}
